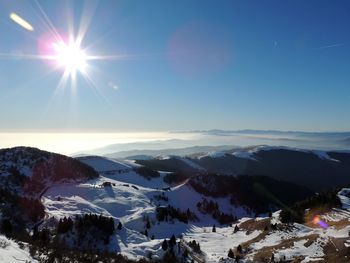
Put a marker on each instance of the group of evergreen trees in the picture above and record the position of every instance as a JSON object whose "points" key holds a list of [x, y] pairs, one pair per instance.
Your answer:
{"points": [[102, 223], [195, 246], [16, 177], [296, 213], [16, 211], [238, 256], [84, 225], [175, 178], [47, 253], [161, 197], [64, 225], [56, 168], [212, 208], [6, 227], [147, 172], [169, 244], [169, 212], [257, 192]]}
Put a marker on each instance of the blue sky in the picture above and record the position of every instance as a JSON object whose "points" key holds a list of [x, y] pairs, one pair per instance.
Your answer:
{"points": [[189, 65]]}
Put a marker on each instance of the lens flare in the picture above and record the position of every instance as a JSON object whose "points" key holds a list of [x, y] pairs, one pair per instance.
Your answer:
{"points": [[65, 50], [20, 21], [317, 221]]}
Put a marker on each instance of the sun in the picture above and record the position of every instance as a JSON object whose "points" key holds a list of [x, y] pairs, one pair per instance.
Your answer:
{"points": [[70, 56]]}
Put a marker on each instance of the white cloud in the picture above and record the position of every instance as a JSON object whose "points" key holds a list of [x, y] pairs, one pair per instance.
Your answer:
{"points": [[332, 46]]}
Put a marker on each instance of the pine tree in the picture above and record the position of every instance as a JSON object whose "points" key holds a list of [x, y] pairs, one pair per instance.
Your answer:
{"points": [[120, 226], [185, 254], [35, 232], [111, 226], [239, 249], [149, 255], [173, 240], [165, 245], [214, 228], [230, 253], [236, 229]]}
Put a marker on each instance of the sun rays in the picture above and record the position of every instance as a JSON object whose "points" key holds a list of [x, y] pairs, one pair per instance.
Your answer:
{"points": [[70, 56], [65, 53]]}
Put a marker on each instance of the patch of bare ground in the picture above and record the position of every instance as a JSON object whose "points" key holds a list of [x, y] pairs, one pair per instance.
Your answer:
{"points": [[249, 226], [311, 213], [339, 224], [258, 238], [336, 251], [265, 226], [252, 224], [322, 212], [264, 254]]}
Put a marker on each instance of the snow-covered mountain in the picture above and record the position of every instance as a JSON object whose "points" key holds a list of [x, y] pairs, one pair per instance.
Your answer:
{"points": [[134, 204], [31, 171], [131, 209], [304, 167]]}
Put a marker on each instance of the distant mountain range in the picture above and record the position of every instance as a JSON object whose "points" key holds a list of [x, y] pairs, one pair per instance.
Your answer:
{"points": [[346, 141], [222, 139], [318, 170], [271, 132], [140, 154]]}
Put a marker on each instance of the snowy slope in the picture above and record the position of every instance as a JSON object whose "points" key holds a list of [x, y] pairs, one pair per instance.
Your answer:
{"points": [[131, 198], [185, 197], [213, 154], [216, 244], [123, 202], [130, 205], [122, 170], [11, 252], [244, 154], [344, 196], [103, 164]]}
